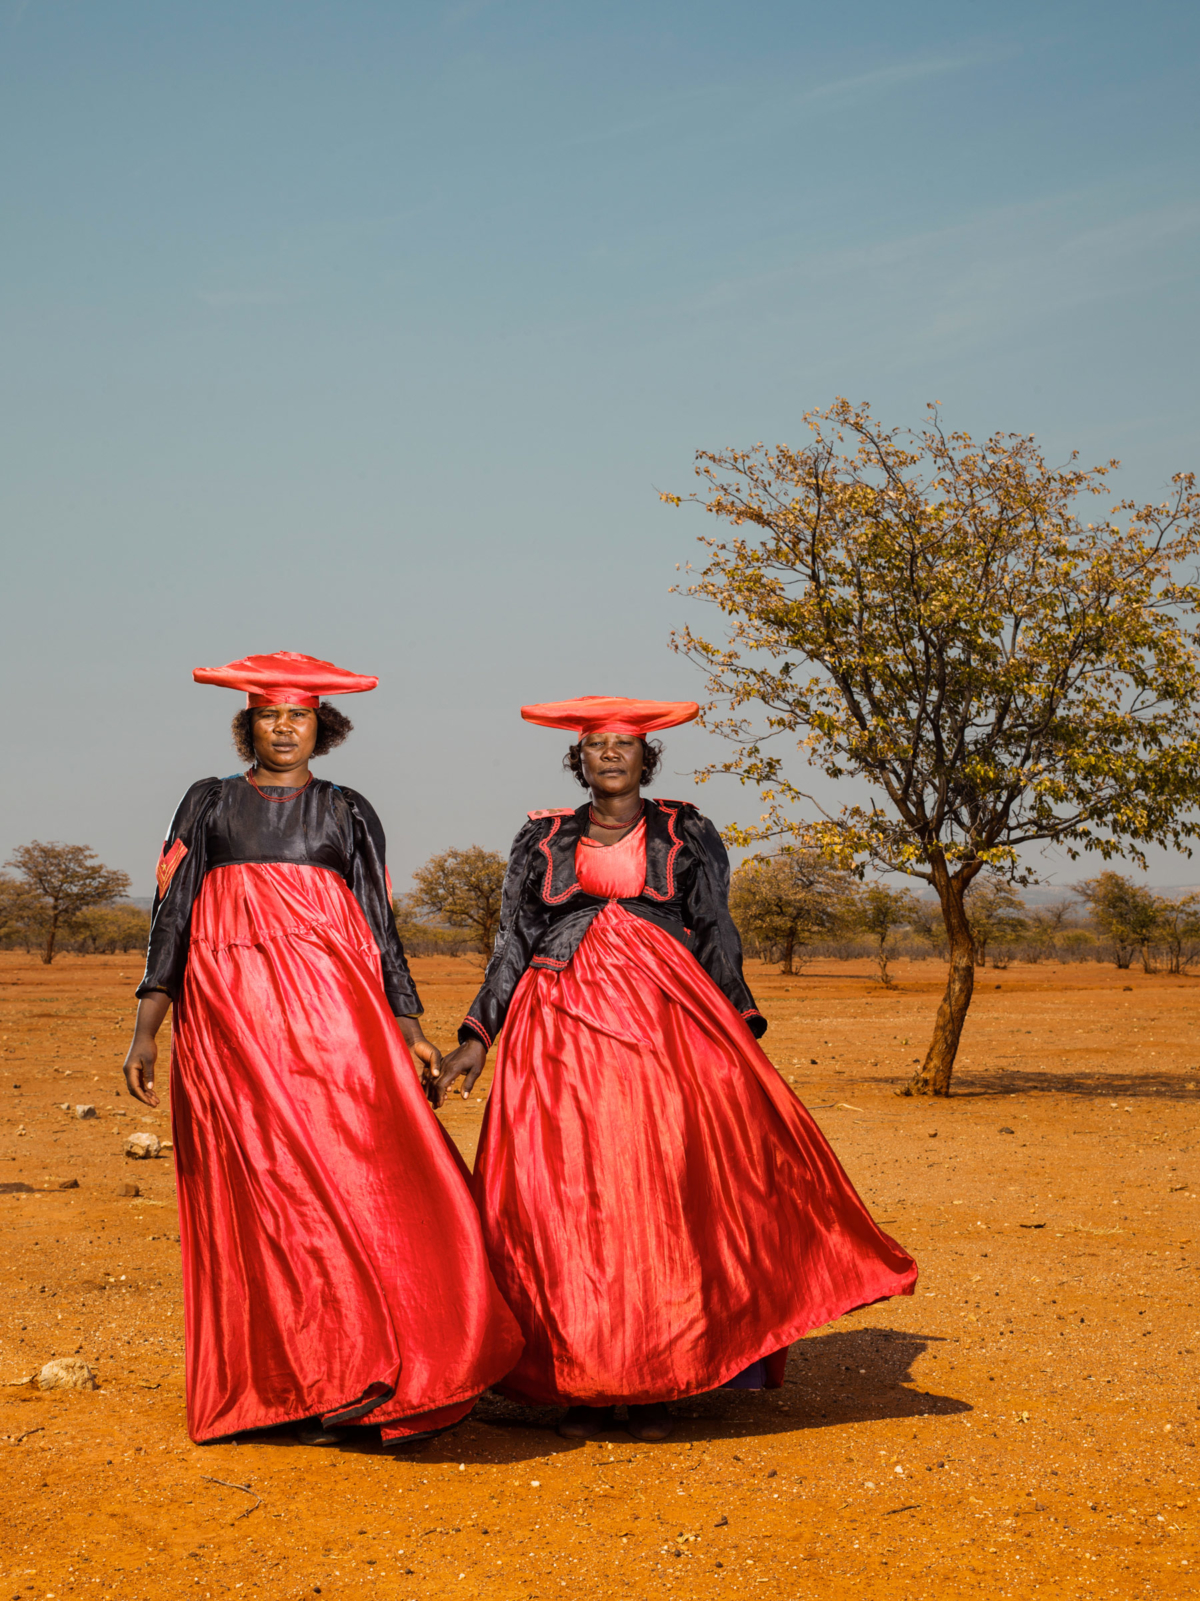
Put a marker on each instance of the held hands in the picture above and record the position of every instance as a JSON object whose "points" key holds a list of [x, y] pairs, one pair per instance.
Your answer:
{"points": [[422, 1050], [469, 1059]]}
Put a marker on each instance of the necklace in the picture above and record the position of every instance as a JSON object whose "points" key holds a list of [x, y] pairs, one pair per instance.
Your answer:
{"points": [[615, 827], [278, 800]]}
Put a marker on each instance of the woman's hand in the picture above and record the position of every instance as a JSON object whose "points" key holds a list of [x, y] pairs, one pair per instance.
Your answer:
{"points": [[469, 1059], [143, 1052], [423, 1051]]}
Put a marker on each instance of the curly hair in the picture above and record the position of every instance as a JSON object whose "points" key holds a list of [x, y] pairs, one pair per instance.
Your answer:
{"points": [[332, 728], [652, 754]]}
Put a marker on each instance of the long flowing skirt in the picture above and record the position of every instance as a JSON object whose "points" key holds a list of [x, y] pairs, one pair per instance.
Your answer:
{"points": [[332, 1258], [659, 1209]]}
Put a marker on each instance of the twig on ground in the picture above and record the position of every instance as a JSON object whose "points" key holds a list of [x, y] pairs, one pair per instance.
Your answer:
{"points": [[243, 1487]]}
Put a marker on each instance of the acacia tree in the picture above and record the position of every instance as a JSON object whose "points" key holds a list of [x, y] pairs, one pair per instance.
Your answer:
{"points": [[1127, 913], [996, 915], [1046, 925], [930, 617], [463, 887], [1178, 927], [67, 880], [788, 900], [879, 912]]}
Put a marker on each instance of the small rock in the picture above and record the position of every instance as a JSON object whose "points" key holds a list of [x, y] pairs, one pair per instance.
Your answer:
{"points": [[69, 1184], [129, 1189], [1008, 1131], [142, 1145], [67, 1373], [85, 1111]]}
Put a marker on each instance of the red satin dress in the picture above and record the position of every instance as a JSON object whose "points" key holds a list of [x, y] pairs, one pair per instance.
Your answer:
{"points": [[660, 1211], [332, 1259]]}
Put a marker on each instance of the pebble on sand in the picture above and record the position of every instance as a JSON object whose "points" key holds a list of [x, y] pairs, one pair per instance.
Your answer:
{"points": [[67, 1373], [85, 1111], [130, 1189], [142, 1144]]}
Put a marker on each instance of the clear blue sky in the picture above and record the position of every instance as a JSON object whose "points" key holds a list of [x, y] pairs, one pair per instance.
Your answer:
{"points": [[372, 330]]}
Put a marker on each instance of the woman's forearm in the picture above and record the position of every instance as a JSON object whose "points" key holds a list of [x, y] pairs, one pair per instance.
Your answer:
{"points": [[152, 1009]]}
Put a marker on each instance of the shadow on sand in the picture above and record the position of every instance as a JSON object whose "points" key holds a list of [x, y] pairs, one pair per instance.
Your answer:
{"points": [[849, 1376], [859, 1375], [1089, 1084]]}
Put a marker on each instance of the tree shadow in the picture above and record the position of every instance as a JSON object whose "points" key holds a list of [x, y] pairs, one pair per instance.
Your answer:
{"points": [[1092, 1085]]}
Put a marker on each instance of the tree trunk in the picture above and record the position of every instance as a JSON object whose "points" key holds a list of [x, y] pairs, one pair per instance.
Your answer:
{"points": [[1147, 965], [48, 953], [884, 976], [789, 951], [933, 1076]]}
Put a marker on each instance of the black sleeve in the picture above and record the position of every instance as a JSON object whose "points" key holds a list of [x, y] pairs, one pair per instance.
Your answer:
{"points": [[368, 879], [523, 918], [180, 874], [716, 943]]}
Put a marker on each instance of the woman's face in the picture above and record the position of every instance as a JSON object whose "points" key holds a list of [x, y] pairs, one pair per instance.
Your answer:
{"points": [[612, 763], [284, 736]]}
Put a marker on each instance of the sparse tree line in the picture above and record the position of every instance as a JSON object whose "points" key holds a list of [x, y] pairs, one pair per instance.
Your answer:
{"points": [[790, 908], [795, 906]]}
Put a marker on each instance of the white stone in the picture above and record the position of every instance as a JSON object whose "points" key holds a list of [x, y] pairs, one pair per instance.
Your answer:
{"points": [[85, 1111], [143, 1144], [67, 1373]]}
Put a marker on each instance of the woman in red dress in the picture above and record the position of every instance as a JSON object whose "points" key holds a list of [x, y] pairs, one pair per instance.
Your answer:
{"points": [[660, 1211], [333, 1268]]}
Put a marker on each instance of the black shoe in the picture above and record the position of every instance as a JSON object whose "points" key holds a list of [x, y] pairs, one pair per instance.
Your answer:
{"points": [[584, 1422], [313, 1432], [650, 1423]]}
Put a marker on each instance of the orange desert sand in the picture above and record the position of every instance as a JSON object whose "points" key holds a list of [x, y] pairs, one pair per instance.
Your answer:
{"points": [[1024, 1425]]}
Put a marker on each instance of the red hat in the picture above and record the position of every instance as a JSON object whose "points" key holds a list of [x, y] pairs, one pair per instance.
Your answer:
{"points": [[284, 679], [611, 714]]}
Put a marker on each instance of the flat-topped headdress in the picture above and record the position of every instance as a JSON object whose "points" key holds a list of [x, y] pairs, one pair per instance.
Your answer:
{"points": [[284, 678], [611, 714]]}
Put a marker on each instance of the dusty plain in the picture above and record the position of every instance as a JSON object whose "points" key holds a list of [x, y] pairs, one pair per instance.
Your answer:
{"points": [[1025, 1425]]}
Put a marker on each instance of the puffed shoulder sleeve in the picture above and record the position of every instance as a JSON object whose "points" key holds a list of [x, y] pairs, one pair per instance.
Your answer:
{"points": [[716, 943], [180, 872], [372, 890], [523, 917]]}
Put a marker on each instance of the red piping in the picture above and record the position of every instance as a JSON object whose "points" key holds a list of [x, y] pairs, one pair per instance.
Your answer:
{"points": [[671, 855]]}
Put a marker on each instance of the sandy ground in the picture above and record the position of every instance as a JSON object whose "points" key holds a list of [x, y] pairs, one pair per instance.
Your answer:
{"points": [[1026, 1424]]}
